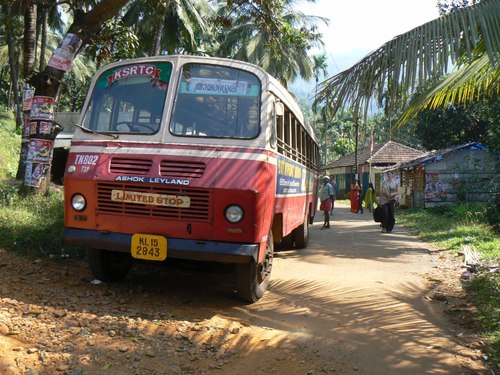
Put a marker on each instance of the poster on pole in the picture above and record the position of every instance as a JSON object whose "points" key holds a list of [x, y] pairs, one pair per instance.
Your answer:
{"points": [[34, 173], [40, 127], [40, 150], [43, 108], [63, 56], [26, 130], [28, 95]]}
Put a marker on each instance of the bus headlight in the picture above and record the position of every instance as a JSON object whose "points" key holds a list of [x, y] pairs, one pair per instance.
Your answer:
{"points": [[234, 213], [78, 202]]}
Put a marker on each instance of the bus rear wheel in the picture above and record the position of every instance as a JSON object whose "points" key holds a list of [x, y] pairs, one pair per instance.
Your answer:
{"points": [[301, 235], [109, 265], [253, 278]]}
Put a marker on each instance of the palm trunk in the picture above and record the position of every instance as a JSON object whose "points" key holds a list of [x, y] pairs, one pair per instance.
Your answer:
{"points": [[29, 42], [43, 44], [29, 39], [155, 47], [14, 72]]}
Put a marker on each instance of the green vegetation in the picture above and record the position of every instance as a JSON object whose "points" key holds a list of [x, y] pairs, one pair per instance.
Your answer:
{"points": [[9, 146], [29, 224], [484, 291], [452, 228]]}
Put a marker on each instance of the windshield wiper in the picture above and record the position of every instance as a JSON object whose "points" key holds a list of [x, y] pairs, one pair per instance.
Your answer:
{"points": [[86, 130]]}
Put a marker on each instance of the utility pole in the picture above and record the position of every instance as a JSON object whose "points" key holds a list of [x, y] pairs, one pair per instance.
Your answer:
{"points": [[356, 126]]}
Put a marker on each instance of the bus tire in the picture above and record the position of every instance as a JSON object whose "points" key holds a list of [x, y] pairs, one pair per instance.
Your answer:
{"points": [[301, 234], [252, 279], [109, 265], [288, 241], [311, 219]]}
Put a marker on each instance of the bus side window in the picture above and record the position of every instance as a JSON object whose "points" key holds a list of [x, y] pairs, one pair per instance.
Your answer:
{"points": [[277, 121]]}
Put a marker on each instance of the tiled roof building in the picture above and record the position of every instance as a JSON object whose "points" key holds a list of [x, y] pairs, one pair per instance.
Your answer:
{"points": [[370, 165], [384, 155]]}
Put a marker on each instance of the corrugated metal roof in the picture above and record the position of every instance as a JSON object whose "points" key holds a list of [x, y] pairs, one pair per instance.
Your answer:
{"points": [[437, 155], [384, 154]]}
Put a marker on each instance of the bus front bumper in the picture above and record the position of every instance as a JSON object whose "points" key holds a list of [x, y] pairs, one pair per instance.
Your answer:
{"points": [[227, 252]]}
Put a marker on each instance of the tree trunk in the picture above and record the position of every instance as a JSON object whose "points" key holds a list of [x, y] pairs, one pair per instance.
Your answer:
{"points": [[14, 72], [43, 43], [356, 150], [29, 39], [29, 43], [156, 45], [43, 129]]}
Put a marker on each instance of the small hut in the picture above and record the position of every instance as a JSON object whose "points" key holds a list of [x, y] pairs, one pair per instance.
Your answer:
{"points": [[467, 172]]}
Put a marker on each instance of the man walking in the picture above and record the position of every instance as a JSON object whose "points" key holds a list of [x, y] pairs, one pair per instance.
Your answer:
{"points": [[326, 197]]}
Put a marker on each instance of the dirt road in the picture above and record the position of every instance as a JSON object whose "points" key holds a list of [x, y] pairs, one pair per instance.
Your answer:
{"points": [[355, 302]]}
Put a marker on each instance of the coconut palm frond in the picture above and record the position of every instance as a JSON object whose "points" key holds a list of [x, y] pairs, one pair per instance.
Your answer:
{"points": [[191, 15], [83, 68], [270, 34], [187, 23], [421, 54], [472, 82], [253, 50], [233, 44]]}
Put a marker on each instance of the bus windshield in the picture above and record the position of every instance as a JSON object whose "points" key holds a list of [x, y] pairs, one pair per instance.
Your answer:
{"points": [[129, 99], [216, 101]]}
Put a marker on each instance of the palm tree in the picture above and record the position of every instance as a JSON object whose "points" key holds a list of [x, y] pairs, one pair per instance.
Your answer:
{"points": [[468, 39], [320, 67], [172, 26], [271, 34]]}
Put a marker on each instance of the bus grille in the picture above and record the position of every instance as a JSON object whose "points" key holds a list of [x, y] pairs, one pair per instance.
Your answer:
{"points": [[130, 166], [181, 169], [199, 208]]}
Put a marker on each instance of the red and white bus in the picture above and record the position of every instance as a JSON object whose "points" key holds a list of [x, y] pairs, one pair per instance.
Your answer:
{"points": [[188, 157]]}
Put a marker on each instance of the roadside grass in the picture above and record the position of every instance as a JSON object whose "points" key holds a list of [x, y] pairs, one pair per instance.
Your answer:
{"points": [[452, 228], [29, 224], [9, 146]]}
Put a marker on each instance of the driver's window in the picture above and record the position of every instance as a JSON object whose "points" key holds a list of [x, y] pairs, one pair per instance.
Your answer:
{"points": [[99, 112], [129, 98]]}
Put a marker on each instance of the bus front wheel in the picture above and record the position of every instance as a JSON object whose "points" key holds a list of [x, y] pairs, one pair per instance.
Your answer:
{"points": [[109, 265], [253, 278]]}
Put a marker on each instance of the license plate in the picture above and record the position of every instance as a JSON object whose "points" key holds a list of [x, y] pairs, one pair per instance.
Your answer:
{"points": [[149, 247]]}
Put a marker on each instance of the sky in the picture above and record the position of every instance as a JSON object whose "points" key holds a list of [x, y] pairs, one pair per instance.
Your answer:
{"points": [[358, 27]]}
